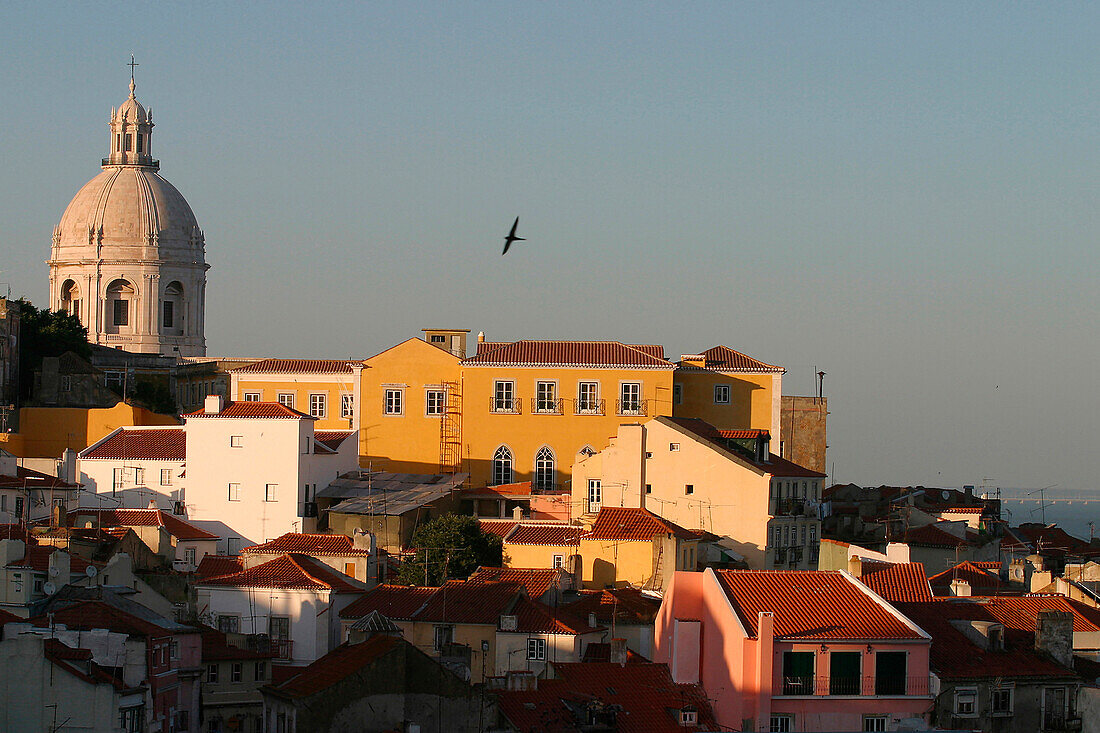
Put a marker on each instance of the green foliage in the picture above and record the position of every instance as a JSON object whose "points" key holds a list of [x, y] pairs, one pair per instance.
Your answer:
{"points": [[154, 394], [452, 546], [46, 333]]}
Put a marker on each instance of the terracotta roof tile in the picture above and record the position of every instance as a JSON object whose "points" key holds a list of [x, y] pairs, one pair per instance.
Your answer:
{"points": [[982, 581], [342, 661], [99, 615], [332, 438], [1053, 541], [168, 444], [535, 618], [317, 545], [266, 410], [297, 366], [932, 536], [537, 581], [175, 526], [623, 523], [725, 359], [616, 606], [292, 571], [37, 558], [903, 582], [569, 354], [31, 479], [744, 434], [775, 465], [500, 529], [459, 602], [214, 566], [521, 488], [810, 604], [398, 602], [556, 535]]}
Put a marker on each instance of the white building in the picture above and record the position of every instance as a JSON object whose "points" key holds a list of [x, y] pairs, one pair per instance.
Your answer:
{"points": [[128, 256], [137, 465]]}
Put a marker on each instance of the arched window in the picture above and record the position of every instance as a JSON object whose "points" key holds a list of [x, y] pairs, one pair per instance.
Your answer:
{"points": [[171, 308], [544, 469], [70, 298], [502, 466], [119, 295]]}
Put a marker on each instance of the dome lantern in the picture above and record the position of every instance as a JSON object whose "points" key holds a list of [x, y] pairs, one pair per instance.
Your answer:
{"points": [[131, 132]]}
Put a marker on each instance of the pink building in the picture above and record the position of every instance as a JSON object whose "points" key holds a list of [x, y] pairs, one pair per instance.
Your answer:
{"points": [[794, 650]]}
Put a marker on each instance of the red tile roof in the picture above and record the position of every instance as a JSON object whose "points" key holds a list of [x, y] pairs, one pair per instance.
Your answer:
{"points": [[265, 410], [745, 434], [537, 581], [459, 602], [37, 558], [98, 615], [214, 566], [62, 656], [175, 526], [522, 488], [297, 366], [958, 510], [982, 581], [776, 466], [168, 444], [556, 535], [398, 602], [292, 571], [7, 617], [810, 604], [725, 359], [30, 479], [535, 618], [622, 523], [335, 666], [569, 354], [648, 699], [932, 536], [500, 529], [616, 606], [1049, 540], [905, 582], [317, 545], [332, 438]]}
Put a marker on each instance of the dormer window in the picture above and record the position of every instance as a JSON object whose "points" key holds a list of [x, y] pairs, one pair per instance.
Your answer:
{"points": [[689, 716]]}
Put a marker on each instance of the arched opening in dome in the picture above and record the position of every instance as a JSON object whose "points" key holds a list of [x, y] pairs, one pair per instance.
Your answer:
{"points": [[70, 299], [173, 309], [120, 298]]}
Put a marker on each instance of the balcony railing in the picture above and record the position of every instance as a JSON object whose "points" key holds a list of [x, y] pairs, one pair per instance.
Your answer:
{"points": [[588, 407], [780, 555], [504, 406], [279, 648], [796, 556], [591, 507], [631, 407], [544, 406], [889, 685], [790, 506]]}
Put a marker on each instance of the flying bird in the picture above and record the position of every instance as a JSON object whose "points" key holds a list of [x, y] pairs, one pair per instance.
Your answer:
{"points": [[512, 237]]}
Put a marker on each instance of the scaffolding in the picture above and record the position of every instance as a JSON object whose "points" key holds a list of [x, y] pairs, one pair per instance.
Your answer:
{"points": [[450, 429]]}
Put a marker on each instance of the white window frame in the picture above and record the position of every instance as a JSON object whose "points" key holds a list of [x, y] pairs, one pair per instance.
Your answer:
{"points": [[236, 441], [271, 492], [438, 632], [1010, 709], [434, 401], [393, 401], [506, 474], [252, 396], [588, 404], [781, 723], [347, 405], [558, 561], [595, 494], [117, 479], [234, 491], [286, 399], [66, 383], [190, 556], [536, 649], [721, 394], [874, 723], [165, 477], [972, 693], [673, 447], [139, 476], [318, 404], [635, 400], [546, 466], [546, 396], [504, 395]]}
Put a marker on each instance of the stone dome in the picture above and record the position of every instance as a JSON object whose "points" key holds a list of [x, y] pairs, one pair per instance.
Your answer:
{"points": [[129, 205]]}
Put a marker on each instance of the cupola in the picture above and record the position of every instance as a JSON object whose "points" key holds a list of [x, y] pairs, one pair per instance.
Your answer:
{"points": [[131, 133]]}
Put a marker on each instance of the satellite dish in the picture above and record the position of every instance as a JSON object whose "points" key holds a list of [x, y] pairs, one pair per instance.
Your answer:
{"points": [[945, 494], [54, 571], [91, 571], [49, 588]]}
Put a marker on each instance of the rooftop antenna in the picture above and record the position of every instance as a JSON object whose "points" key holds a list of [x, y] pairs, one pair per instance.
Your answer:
{"points": [[1042, 500], [820, 385]]}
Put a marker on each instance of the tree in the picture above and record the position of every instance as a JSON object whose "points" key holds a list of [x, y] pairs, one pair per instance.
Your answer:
{"points": [[450, 546], [46, 333]]}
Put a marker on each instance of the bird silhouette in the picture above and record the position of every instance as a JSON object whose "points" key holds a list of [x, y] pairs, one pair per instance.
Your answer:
{"points": [[512, 237]]}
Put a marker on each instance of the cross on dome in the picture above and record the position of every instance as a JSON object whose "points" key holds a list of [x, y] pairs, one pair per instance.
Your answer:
{"points": [[132, 64]]}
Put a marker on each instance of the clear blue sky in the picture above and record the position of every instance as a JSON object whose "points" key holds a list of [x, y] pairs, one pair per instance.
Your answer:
{"points": [[903, 195]]}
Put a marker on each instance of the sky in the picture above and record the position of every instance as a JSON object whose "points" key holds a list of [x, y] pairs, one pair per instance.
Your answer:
{"points": [[902, 195]]}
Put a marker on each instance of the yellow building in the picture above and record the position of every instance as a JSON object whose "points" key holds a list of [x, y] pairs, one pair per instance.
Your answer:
{"points": [[542, 545], [729, 390], [635, 547], [45, 432], [321, 388]]}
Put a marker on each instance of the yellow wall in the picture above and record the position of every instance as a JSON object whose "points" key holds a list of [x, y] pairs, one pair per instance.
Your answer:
{"points": [[535, 556], [270, 386], [421, 634], [45, 432], [754, 400]]}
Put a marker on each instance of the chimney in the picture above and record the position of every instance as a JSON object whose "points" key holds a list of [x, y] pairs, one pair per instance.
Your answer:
{"points": [[481, 337], [960, 587], [521, 681], [592, 621], [855, 566], [59, 568], [517, 514], [618, 651], [362, 540], [1054, 636], [12, 550], [968, 490], [214, 404]]}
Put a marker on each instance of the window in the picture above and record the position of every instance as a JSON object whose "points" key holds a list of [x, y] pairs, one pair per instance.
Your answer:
{"points": [[3, 502], [721, 394], [174, 649], [165, 477], [437, 338], [587, 396], [595, 494], [116, 479], [798, 673], [502, 466], [235, 672], [279, 627], [813, 534], [229, 624], [677, 394], [19, 506], [444, 635], [649, 488], [1001, 703], [138, 138], [874, 723], [113, 379], [132, 720], [347, 405], [349, 569], [689, 489], [630, 398], [545, 393], [251, 396], [234, 492], [394, 402], [558, 562], [544, 469], [121, 312], [260, 671], [689, 716], [536, 650], [504, 396], [1055, 704], [890, 673], [966, 702], [236, 441], [286, 399], [781, 724], [232, 545], [129, 139], [169, 314], [674, 447], [844, 668], [66, 383], [189, 556], [318, 405], [433, 402], [211, 673], [269, 491], [139, 477]]}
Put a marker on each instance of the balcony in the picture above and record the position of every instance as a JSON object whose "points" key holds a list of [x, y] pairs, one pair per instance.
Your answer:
{"points": [[279, 648], [790, 506], [591, 506], [631, 407], [888, 686], [795, 556], [544, 406], [588, 407], [780, 555], [504, 405]]}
